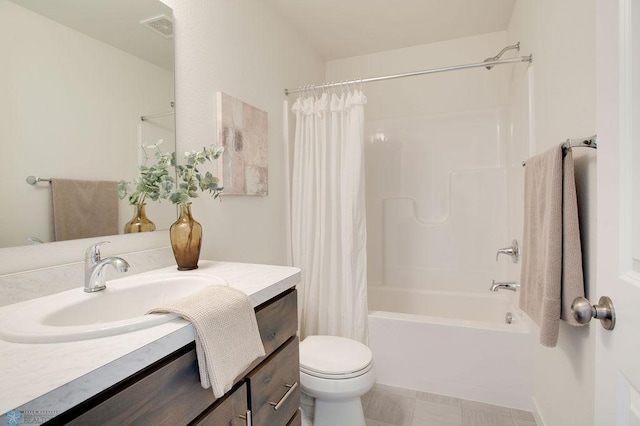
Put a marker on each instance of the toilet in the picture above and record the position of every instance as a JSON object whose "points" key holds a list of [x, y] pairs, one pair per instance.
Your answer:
{"points": [[335, 372]]}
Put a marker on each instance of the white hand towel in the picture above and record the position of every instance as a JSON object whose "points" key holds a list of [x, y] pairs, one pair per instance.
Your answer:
{"points": [[227, 335]]}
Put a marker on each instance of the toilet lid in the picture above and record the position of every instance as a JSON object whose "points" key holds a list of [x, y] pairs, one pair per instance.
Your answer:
{"points": [[334, 356]]}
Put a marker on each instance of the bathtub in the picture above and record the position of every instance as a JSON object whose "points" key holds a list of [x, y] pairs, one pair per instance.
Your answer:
{"points": [[449, 343]]}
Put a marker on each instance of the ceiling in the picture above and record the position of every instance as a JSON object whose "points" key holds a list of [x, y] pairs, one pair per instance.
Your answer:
{"points": [[344, 28], [115, 22], [335, 28]]}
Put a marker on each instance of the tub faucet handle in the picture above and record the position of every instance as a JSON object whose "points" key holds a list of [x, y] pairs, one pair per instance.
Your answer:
{"points": [[513, 251]]}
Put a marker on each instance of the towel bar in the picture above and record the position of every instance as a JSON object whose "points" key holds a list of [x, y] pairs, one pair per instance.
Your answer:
{"points": [[590, 142], [32, 180]]}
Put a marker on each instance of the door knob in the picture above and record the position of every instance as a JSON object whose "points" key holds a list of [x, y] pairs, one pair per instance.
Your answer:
{"points": [[583, 311]]}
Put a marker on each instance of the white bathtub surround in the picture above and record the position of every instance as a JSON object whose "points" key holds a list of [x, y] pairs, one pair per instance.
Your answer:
{"points": [[487, 308], [436, 201], [57, 376], [452, 344], [328, 215]]}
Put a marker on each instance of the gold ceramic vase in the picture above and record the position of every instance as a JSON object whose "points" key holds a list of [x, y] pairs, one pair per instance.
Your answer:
{"points": [[186, 239], [139, 222]]}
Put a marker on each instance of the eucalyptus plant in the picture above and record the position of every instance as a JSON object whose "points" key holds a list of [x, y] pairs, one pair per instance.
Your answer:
{"points": [[192, 179], [154, 181]]}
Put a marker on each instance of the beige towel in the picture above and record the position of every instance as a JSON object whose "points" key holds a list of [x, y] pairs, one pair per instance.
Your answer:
{"points": [[551, 274], [227, 336], [84, 208]]}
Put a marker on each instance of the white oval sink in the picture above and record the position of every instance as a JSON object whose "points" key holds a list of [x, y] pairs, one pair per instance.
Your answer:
{"points": [[75, 315]]}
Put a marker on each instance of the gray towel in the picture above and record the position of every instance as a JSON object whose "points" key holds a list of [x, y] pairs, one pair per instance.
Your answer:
{"points": [[551, 274], [84, 208], [227, 335]]}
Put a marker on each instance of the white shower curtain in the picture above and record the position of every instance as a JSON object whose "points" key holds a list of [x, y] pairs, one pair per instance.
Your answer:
{"points": [[328, 215]]}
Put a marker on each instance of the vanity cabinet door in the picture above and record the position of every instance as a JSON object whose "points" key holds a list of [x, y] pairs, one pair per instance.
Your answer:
{"points": [[274, 390], [296, 420], [230, 411], [278, 320]]}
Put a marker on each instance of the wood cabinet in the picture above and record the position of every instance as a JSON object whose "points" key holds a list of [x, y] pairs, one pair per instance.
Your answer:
{"points": [[169, 391], [274, 392], [230, 411]]}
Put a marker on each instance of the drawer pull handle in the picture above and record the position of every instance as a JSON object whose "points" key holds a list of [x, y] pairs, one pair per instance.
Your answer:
{"points": [[247, 417], [277, 405]]}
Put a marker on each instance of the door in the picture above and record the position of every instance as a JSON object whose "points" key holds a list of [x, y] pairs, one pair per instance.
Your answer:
{"points": [[617, 378]]}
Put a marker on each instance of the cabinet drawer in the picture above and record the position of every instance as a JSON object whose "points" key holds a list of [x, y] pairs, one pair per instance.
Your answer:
{"points": [[278, 321], [296, 420], [274, 391], [229, 411]]}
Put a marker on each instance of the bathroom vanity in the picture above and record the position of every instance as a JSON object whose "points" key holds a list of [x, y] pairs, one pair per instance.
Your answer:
{"points": [[157, 380]]}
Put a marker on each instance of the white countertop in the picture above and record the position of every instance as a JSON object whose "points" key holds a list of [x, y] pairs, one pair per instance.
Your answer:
{"points": [[51, 378]]}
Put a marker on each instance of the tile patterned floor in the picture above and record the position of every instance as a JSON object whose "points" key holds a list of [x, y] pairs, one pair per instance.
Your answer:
{"points": [[390, 406]]}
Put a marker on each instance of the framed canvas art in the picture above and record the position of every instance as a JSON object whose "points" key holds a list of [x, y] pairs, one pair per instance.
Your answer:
{"points": [[243, 132]]}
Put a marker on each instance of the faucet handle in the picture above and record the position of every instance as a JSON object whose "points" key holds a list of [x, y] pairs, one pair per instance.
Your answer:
{"points": [[513, 251], [93, 252]]}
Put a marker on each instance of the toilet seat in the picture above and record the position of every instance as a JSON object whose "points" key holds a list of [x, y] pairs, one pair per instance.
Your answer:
{"points": [[332, 357], [337, 376]]}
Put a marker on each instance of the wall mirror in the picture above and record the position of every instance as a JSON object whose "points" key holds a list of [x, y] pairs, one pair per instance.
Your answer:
{"points": [[77, 77]]}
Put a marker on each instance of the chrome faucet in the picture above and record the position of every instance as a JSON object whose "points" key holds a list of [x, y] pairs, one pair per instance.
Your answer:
{"points": [[94, 268], [507, 285], [513, 251]]}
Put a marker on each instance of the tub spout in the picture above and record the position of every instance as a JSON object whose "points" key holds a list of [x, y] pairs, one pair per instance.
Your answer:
{"points": [[508, 285]]}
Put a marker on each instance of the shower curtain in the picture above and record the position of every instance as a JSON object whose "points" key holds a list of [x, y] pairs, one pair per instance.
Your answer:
{"points": [[328, 215]]}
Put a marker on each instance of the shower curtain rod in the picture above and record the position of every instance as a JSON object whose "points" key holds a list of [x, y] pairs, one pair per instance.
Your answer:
{"points": [[488, 63], [149, 117], [172, 104]]}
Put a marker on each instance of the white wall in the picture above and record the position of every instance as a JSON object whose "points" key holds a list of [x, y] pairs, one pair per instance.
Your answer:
{"points": [[463, 90], [561, 36], [240, 48], [70, 109], [436, 183]]}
